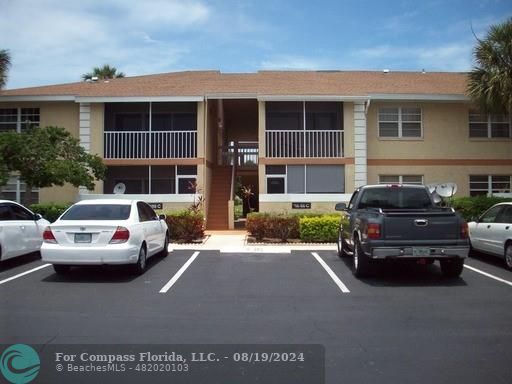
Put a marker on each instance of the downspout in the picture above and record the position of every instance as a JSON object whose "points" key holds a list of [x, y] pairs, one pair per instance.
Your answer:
{"points": [[367, 107]]}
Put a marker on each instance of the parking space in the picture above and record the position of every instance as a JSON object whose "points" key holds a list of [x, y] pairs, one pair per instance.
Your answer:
{"points": [[404, 324]]}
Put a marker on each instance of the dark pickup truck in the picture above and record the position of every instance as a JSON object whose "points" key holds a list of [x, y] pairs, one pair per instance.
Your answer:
{"points": [[401, 222]]}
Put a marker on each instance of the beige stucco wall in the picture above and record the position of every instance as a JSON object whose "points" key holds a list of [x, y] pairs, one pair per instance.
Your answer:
{"points": [[97, 129], [445, 136], [325, 207], [439, 174]]}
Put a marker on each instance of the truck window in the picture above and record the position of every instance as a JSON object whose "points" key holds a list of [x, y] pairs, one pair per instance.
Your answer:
{"points": [[395, 198]]}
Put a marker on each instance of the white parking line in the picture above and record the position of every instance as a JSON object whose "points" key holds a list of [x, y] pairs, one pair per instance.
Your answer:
{"points": [[488, 275], [335, 278], [175, 278], [24, 273]]}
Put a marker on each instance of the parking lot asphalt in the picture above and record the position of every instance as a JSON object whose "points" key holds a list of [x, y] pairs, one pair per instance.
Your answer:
{"points": [[405, 324]]}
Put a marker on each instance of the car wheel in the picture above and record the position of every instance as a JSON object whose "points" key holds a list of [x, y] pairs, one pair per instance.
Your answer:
{"points": [[452, 267], [339, 243], [165, 250], [61, 269], [508, 256], [140, 266], [361, 261]]}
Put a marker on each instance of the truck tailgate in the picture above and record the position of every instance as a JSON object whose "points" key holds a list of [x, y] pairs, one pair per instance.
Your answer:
{"points": [[442, 225]]}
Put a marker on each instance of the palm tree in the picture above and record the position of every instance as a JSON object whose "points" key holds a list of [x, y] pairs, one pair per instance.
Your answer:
{"points": [[5, 63], [490, 81], [103, 73]]}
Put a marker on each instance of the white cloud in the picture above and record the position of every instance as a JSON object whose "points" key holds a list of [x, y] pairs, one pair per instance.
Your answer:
{"points": [[53, 42]]}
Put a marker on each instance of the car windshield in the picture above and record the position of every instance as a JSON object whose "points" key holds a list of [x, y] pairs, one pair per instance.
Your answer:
{"points": [[98, 212], [395, 198]]}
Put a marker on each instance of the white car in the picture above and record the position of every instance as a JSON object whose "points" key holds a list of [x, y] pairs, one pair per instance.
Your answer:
{"points": [[97, 232], [492, 232], [21, 231]]}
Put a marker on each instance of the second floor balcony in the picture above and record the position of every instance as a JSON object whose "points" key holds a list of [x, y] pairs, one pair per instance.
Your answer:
{"points": [[150, 145], [304, 143]]}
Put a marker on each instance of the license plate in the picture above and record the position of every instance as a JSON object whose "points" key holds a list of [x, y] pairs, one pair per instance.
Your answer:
{"points": [[420, 252], [82, 237]]}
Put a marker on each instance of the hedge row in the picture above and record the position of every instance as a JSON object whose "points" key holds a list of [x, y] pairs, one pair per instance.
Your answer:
{"points": [[50, 211], [472, 207], [185, 225], [307, 227]]}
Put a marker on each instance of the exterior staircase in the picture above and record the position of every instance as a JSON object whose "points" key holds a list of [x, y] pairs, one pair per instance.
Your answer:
{"points": [[219, 196]]}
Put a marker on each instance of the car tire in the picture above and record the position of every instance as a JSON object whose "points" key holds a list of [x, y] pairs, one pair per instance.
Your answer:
{"points": [[452, 267], [165, 250], [342, 253], [61, 269], [361, 261], [140, 266], [508, 256]]}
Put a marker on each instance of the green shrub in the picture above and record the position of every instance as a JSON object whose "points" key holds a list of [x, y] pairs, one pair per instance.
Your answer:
{"points": [[185, 225], [282, 227], [256, 224], [320, 229], [50, 211], [472, 207]]}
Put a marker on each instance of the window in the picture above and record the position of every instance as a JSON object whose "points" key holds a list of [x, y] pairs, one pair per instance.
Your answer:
{"points": [[506, 215], [18, 119], [305, 179], [489, 184], [155, 179], [399, 179], [98, 212], [491, 215], [20, 213], [15, 190], [146, 213], [483, 125], [399, 122], [395, 198]]}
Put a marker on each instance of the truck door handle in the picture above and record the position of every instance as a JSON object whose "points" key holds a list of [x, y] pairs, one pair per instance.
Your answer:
{"points": [[488, 226], [507, 227]]}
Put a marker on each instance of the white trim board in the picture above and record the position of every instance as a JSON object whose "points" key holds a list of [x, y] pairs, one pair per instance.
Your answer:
{"points": [[157, 198], [304, 197]]}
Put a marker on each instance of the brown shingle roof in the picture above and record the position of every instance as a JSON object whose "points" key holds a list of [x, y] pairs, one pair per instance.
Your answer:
{"points": [[200, 83]]}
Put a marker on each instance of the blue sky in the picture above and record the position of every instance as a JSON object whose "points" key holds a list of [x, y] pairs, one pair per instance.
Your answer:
{"points": [[56, 41]]}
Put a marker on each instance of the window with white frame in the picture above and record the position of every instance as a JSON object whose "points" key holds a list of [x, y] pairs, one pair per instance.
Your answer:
{"points": [[401, 179], [400, 122], [489, 184], [489, 126], [15, 190], [18, 119], [154, 179], [284, 179]]}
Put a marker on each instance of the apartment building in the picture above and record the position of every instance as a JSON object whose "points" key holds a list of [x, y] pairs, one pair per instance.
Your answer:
{"points": [[300, 140]]}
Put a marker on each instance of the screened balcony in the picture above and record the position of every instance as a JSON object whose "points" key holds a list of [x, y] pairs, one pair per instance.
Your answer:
{"points": [[304, 129], [150, 131]]}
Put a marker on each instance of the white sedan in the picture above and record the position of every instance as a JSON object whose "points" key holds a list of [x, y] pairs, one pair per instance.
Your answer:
{"points": [[21, 231], [492, 232], [97, 232]]}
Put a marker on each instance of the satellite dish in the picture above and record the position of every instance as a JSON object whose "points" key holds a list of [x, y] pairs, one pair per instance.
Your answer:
{"points": [[119, 189], [446, 189], [431, 187], [437, 199]]}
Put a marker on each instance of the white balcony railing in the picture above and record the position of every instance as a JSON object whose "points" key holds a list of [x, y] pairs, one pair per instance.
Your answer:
{"points": [[150, 145], [304, 143]]}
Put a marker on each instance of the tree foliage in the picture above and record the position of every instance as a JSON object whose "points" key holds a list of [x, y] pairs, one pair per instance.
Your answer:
{"points": [[44, 157], [103, 73], [5, 63], [490, 81]]}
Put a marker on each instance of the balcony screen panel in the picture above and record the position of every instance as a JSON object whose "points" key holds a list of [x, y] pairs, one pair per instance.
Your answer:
{"points": [[135, 178], [284, 116], [163, 179], [133, 116], [323, 116], [325, 179], [295, 179]]}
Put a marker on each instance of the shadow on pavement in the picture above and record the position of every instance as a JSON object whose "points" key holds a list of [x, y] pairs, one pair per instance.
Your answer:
{"points": [[407, 274], [19, 261], [101, 273]]}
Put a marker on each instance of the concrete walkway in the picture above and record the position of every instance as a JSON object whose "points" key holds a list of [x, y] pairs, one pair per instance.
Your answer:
{"points": [[236, 242]]}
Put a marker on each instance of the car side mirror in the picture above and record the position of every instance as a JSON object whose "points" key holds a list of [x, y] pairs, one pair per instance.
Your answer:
{"points": [[162, 216], [340, 207], [37, 217]]}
